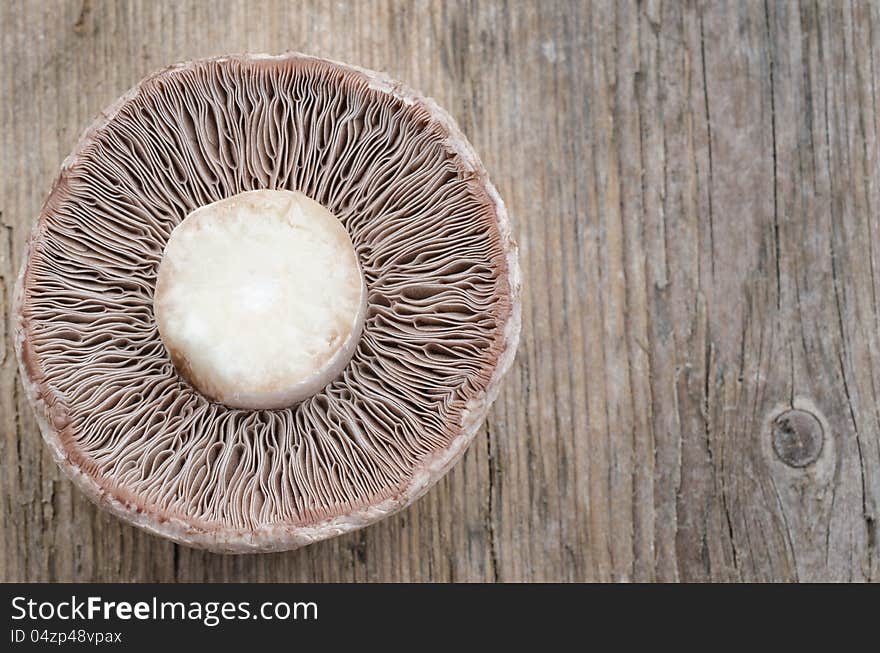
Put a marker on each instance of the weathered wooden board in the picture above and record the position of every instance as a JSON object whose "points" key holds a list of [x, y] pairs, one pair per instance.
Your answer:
{"points": [[696, 192]]}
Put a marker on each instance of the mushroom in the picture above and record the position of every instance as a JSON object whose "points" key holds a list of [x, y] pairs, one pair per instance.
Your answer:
{"points": [[407, 345]]}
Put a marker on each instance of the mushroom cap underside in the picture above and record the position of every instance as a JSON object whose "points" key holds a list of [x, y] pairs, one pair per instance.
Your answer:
{"points": [[441, 327]]}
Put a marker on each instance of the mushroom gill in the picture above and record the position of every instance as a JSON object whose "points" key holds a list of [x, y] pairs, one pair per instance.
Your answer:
{"points": [[441, 325]]}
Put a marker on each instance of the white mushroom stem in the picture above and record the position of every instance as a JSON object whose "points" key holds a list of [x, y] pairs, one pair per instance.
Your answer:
{"points": [[260, 299]]}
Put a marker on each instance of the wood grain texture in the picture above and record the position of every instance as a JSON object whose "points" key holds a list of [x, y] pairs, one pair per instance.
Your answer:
{"points": [[696, 193]]}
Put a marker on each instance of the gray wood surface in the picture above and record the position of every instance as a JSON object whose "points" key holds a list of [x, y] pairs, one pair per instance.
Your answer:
{"points": [[695, 190]]}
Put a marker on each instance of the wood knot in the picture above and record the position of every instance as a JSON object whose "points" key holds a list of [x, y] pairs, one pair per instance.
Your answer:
{"points": [[797, 437]]}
